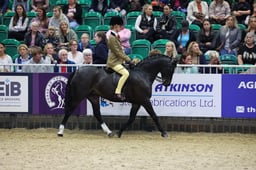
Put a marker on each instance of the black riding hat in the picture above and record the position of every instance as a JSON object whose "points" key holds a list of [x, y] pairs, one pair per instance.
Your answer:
{"points": [[116, 20]]}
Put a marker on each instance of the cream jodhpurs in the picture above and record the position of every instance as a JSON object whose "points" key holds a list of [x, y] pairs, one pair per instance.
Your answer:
{"points": [[124, 75]]}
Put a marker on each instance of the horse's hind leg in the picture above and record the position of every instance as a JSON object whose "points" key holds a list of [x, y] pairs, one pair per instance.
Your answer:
{"points": [[96, 112], [133, 112], [148, 106], [68, 112]]}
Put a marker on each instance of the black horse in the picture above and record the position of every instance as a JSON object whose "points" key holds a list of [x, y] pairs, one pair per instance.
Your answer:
{"points": [[92, 82]]}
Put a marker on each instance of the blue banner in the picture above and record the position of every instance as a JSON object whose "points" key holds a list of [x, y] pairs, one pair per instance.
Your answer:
{"points": [[238, 96]]}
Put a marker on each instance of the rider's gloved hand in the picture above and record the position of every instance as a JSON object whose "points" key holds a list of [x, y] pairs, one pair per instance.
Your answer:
{"points": [[131, 64]]}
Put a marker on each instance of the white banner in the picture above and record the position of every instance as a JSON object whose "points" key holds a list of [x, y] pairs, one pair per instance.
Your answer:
{"points": [[189, 95], [13, 93]]}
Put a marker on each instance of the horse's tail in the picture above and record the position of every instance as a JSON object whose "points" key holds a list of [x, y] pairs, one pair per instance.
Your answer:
{"points": [[68, 97]]}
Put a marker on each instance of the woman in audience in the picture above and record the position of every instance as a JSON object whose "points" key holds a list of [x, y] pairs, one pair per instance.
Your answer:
{"points": [[57, 17], [75, 55], [197, 12], [214, 60], [41, 19], [170, 50], [74, 13], [87, 54], [33, 37], [145, 24], [5, 59], [49, 54], [66, 35], [40, 3], [219, 11], [183, 37], [229, 37], [206, 37], [24, 3], [187, 60], [18, 24], [196, 53], [247, 51], [23, 57], [101, 50], [51, 37]]}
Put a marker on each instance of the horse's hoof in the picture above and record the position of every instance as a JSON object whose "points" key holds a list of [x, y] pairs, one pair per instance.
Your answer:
{"points": [[164, 134], [60, 135], [119, 134], [111, 134]]}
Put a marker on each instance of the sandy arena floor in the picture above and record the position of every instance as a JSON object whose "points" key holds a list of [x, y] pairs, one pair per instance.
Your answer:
{"points": [[22, 149]]}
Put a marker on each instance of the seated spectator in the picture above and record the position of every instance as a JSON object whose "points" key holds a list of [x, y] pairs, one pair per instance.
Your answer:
{"points": [[247, 52], [51, 37], [49, 54], [118, 6], [158, 5], [84, 43], [100, 6], [3, 6], [124, 35], [206, 37], [167, 25], [63, 59], [87, 54], [186, 59], [196, 54], [183, 37], [214, 60], [180, 5], [18, 24], [75, 55], [145, 24], [219, 11], [66, 35], [42, 20], [252, 15], [5, 59], [24, 3], [33, 37], [197, 12], [57, 17], [241, 10], [40, 3], [170, 50], [136, 5], [252, 26], [73, 11], [229, 37], [101, 49], [36, 54], [23, 57]]}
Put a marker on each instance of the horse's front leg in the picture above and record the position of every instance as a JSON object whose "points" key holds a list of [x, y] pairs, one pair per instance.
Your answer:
{"points": [[133, 112], [96, 112], [148, 106]]}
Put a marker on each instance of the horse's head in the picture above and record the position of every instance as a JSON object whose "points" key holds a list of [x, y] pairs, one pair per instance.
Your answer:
{"points": [[168, 70]]}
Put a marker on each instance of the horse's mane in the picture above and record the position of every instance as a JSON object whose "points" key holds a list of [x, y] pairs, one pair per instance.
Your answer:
{"points": [[150, 59]]}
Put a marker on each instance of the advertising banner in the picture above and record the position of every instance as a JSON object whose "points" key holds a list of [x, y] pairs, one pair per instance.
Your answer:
{"points": [[238, 96], [189, 95], [49, 92], [14, 93]]}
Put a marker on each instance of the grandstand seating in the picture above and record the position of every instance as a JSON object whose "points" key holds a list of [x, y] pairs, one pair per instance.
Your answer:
{"points": [[84, 29], [108, 16], [7, 17], [179, 17], [104, 28], [92, 18], [11, 46], [141, 46], [131, 17], [228, 59], [3, 32], [159, 44], [138, 56], [216, 27], [194, 28]]}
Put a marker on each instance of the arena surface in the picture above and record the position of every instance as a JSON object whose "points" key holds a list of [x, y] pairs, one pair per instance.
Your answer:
{"points": [[23, 149]]}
